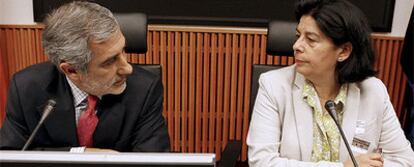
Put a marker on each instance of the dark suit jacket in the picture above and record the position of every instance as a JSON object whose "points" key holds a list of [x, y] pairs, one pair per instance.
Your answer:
{"points": [[131, 121]]}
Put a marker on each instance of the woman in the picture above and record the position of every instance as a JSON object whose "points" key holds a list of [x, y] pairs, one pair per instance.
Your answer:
{"points": [[333, 61]]}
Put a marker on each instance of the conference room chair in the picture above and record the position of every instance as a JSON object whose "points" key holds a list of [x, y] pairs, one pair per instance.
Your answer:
{"points": [[281, 35], [134, 27], [280, 39]]}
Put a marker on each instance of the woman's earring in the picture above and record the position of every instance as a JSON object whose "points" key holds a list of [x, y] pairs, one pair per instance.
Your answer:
{"points": [[340, 59]]}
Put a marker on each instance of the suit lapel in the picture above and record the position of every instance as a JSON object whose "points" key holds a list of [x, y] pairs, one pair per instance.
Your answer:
{"points": [[349, 119], [303, 116], [60, 124], [111, 113]]}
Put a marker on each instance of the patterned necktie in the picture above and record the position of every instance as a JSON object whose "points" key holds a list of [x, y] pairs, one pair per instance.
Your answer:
{"points": [[87, 123]]}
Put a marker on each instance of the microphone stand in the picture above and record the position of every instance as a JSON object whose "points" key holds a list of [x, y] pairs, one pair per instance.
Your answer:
{"points": [[331, 107], [48, 109]]}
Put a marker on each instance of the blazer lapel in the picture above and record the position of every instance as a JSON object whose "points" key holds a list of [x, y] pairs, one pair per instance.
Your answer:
{"points": [[303, 117], [111, 113], [349, 119], [60, 124]]}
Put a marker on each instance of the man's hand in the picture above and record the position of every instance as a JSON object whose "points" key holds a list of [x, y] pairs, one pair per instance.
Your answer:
{"points": [[369, 160]]}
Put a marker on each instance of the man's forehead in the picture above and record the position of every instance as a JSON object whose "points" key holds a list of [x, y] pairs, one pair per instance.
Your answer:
{"points": [[114, 44]]}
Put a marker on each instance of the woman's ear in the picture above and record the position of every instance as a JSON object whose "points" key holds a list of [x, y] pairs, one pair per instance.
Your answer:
{"points": [[346, 50], [69, 71]]}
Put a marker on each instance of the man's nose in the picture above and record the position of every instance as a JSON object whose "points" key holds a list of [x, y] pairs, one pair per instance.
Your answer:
{"points": [[124, 67]]}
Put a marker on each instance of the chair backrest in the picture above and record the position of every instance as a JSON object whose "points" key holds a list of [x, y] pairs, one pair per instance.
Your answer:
{"points": [[281, 36], [257, 70], [134, 27], [153, 68]]}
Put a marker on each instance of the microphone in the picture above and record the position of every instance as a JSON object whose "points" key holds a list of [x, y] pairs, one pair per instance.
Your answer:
{"points": [[46, 111], [331, 107]]}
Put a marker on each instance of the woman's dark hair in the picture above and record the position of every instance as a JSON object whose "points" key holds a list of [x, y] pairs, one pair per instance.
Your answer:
{"points": [[343, 22]]}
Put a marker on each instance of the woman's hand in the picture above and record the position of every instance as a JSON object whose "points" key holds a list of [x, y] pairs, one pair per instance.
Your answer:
{"points": [[369, 160]]}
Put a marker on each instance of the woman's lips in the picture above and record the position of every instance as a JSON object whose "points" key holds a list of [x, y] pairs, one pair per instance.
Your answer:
{"points": [[297, 61]]}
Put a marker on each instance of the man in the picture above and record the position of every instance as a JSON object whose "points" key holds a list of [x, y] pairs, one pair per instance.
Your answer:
{"points": [[101, 100], [407, 63]]}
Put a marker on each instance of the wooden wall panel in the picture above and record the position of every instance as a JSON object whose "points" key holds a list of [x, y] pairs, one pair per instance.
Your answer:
{"points": [[204, 102], [21, 46], [206, 73], [389, 69], [3, 81]]}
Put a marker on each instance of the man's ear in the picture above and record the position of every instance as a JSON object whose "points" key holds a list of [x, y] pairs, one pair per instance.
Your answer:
{"points": [[346, 50], [69, 71]]}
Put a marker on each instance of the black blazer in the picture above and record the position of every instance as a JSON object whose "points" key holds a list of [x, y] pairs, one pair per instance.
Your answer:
{"points": [[131, 121]]}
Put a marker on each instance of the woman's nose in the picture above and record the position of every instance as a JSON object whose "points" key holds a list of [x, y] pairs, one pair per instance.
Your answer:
{"points": [[297, 46]]}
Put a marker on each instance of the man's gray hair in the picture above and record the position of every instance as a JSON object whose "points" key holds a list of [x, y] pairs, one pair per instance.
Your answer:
{"points": [[70, 29]]}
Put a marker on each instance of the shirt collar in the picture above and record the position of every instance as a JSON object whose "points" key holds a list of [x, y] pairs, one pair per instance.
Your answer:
{"points": [[78, 95], [340, 100]]}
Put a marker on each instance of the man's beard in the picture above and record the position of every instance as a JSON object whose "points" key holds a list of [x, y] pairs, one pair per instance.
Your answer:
{"points": [[97, 88]]}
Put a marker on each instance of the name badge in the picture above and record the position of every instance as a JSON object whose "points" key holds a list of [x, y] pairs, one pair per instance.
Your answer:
{"points": [[359, 146]]}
